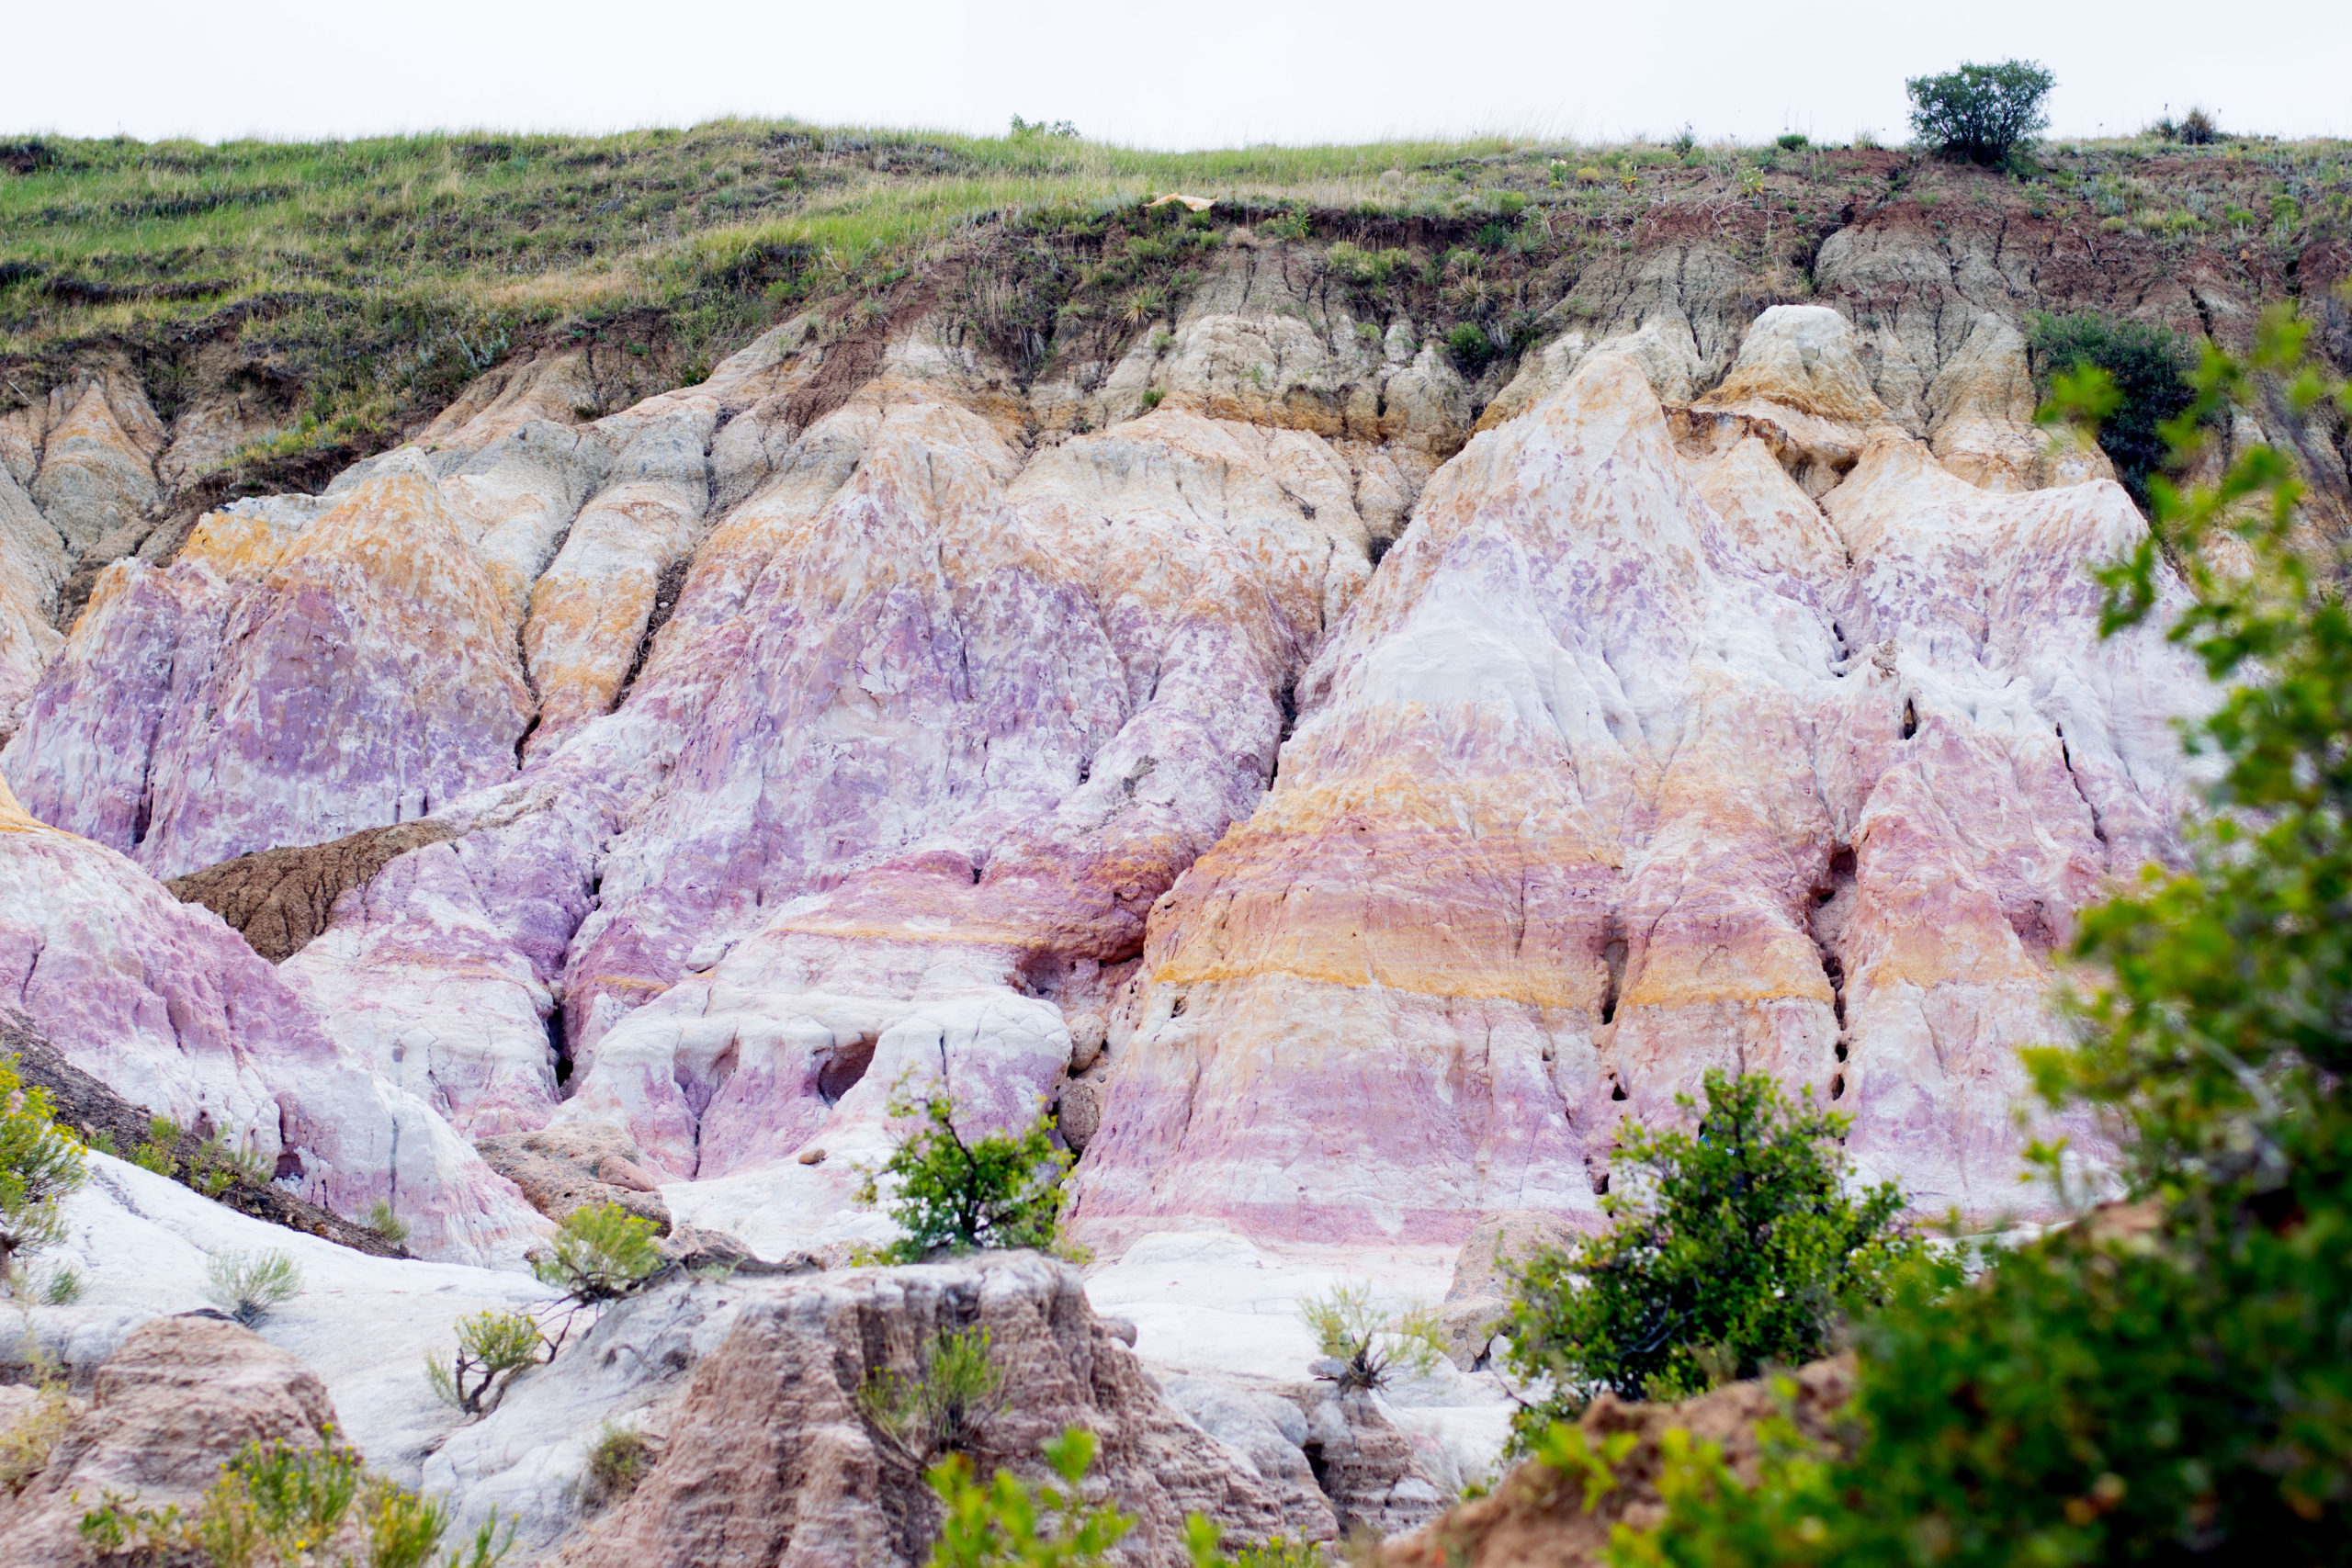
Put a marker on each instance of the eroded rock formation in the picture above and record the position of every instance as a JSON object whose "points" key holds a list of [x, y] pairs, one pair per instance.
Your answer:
{"points": [[170, 1009], [1633, 762], [179, 1400], [746, 1391], [1345, 784]]}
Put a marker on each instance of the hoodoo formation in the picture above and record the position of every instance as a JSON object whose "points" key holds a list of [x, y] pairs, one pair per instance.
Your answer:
{"points": [[1343, 769]]}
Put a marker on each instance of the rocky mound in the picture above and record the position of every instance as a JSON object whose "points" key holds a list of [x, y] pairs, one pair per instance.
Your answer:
{"points": [[765, 1455], [179, 1400]]}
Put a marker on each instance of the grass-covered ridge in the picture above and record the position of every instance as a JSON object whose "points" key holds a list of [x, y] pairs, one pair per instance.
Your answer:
{"points": [[100, 237], [378, 276]]}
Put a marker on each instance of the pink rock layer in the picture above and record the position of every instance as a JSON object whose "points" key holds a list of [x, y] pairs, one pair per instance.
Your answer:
{"points": [[1632, 759], [172, 1009], [1630, 765]]}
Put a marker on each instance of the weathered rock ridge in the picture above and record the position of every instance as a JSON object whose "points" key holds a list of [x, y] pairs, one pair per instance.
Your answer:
{"points": [[1345, 790]]}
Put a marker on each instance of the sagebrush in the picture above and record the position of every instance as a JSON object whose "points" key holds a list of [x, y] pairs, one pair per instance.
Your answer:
{"points": [[600, 1252], [943, 1404], [1368, 1343]]}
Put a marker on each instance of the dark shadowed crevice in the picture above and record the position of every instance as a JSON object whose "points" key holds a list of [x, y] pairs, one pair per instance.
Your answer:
{"points": [[1612, 958], [843, 1071], [666, 590], [1832, 901], [2066, 755]]}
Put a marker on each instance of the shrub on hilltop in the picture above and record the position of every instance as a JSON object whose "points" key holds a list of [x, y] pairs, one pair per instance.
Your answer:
{"points": [[2145, 366]]}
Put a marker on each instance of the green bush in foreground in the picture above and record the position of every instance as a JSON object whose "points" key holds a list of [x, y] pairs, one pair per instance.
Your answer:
{"points": [[2172, 1382], [1737, 1247], [278, 1506], [953, 1194], [1004, 1523]]}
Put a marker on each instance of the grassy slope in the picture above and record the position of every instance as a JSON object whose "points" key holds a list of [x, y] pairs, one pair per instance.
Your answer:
{"points": [[381, 275]]}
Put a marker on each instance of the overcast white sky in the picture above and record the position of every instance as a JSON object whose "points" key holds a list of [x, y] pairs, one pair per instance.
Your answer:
{"points": [[1177, 74]]}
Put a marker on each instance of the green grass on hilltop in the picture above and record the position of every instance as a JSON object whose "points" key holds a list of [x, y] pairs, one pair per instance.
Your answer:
{"points": [[380, 275], [102, 236]]}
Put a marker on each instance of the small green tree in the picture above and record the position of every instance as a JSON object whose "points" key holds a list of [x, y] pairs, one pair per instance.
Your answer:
{"points": [[1741, 1249], [953, 1194], [493, 1348], [600, 1252], [2147, 370], [1981, 113], [40, 1163]]}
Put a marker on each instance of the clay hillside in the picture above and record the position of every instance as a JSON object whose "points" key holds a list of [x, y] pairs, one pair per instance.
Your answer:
{"points": [[539, 673]]}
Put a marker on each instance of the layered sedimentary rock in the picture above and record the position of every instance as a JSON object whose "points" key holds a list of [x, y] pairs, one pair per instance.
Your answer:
{"points": [[1620, 770], [170, 1009], [97, 439], [33, 563], [360, 676], [958, 723], [869, 716]]}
